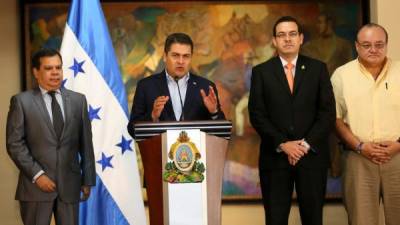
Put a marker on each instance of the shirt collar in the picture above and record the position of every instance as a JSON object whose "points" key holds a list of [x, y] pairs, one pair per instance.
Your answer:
{"points": [[381, 74], [170, 78], [44, 91], [294, 61]]}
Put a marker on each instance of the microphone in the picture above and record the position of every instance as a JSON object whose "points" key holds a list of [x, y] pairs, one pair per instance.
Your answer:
{"points": [[180, 98]]}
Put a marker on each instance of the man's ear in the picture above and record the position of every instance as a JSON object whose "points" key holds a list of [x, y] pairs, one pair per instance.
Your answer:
{"points": [[35, 72]]}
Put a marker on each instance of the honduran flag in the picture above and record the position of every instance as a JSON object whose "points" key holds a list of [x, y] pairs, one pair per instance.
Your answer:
{"points": [[90, 67]]}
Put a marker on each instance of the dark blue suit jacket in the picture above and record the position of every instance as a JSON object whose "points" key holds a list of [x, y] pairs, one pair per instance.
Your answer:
{"points": [[149, 88]]}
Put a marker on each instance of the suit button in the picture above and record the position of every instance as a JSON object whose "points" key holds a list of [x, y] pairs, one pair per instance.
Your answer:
{"points": [[291, 128]]}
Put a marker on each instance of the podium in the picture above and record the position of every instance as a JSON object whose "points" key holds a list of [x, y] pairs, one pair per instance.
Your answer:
{"points": [[154, 140]]}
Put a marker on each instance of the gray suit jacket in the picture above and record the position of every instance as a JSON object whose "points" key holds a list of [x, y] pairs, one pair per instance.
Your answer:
{"points": [[33, 145]]}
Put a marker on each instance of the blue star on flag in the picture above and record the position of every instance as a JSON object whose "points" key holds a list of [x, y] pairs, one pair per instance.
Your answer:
{"points": [[125, 145], [94, 113], [105, 161], [77, 67]]}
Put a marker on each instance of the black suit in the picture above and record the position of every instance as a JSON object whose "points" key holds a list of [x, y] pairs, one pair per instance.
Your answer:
{"points": [[149, 88], [279, 116], [33, 145]]}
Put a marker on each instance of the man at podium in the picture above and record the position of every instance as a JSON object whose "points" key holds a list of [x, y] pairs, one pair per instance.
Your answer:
{"points": [[175, 94]]}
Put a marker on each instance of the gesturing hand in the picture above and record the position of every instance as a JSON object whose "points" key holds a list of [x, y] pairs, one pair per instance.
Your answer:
{"points": [[45, 183], [158, 107], [210, 100]]}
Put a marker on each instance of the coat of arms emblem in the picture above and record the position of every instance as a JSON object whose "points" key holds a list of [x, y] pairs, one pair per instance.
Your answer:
{"points": [[184, 167]]}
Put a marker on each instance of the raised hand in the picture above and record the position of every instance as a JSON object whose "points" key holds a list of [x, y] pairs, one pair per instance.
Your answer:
{"points": [[158, 107], [210, 100]]}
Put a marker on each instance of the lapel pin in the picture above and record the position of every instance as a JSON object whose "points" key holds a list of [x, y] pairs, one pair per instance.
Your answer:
{"points": [[194, 83], [303, 67]]}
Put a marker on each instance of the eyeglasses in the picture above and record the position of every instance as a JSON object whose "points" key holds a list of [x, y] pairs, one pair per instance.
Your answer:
{"points": [[292, 34], [368, 46]]}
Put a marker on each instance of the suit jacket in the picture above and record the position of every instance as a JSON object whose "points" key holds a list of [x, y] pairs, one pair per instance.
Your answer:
{"points": [[149, 88], [33, 145], [279, 116]]}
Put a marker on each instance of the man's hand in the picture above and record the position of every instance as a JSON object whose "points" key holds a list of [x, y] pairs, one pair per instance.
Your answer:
{"points": [[375, 152], [294, 150], [210, 100], [85, 192], [391, 148], [45, 183], [158, 107]]}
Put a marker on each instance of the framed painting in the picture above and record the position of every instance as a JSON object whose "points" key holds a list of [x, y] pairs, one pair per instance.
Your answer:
{"points": [[229, 39]]}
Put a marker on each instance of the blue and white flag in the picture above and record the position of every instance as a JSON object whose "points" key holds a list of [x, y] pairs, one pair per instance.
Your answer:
{"points": [[90, 67]]}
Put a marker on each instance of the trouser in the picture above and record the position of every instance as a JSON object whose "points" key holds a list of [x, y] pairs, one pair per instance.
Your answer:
{"points": [[39, 213], [277, 188], [366, 184]]}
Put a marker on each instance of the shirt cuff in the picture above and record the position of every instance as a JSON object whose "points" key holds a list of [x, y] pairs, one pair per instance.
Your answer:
{"points": [[278, 149], [214, 117], [37, 176]]}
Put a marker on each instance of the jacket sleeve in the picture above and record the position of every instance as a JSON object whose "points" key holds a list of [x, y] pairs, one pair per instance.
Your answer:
{"points": [[326, 113], [17, 147], [86, 149], [258, 112], [139, 110]]}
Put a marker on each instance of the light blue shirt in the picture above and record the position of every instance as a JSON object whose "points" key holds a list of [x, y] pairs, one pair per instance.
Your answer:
{"points": [[174, 93], [47, 100]]}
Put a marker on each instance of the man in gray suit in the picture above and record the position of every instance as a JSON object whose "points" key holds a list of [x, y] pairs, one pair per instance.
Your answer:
{"points": [[49, 138]]}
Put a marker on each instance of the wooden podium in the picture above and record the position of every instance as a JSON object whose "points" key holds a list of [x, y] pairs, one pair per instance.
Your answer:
{"points": [[152, 138]]}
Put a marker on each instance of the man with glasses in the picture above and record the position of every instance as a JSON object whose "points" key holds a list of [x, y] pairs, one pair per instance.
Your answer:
{"points": [[367, 92], [291, 106]]}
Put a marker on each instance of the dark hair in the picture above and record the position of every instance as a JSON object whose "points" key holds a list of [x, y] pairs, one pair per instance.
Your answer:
{"points": [[180, 38], [287, 19], [371, 25], [44, 52]]}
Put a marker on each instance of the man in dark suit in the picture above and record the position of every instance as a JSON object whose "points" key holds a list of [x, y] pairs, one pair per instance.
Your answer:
{"points": [[292, 108], [49, 139], [175, 94]]}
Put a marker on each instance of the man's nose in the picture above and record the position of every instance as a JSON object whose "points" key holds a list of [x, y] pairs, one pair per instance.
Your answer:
{"points": [[180, 59]]}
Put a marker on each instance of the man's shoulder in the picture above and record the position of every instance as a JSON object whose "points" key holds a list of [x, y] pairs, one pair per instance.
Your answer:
{"points": [[26, 94], [310, 60], [269, 63], [72, 93], [151, 78], [346, 68], [199, 79]]}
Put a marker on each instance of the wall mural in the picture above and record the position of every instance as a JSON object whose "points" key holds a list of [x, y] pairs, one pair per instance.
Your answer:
{"points": [[230, 38]]}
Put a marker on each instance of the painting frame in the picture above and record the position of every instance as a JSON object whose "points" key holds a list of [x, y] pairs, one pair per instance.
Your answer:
{"points": [[27, 31]]}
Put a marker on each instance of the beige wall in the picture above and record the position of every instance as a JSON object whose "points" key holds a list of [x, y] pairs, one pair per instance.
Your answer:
{"points": [[383, 12], [9, 85]]}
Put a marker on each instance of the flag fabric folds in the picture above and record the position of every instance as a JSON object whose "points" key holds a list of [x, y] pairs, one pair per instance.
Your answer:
{"points": [[90, 67]]}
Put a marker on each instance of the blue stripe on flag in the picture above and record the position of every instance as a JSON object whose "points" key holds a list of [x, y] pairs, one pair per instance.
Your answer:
{"points": [[100, 196], [86, 20]]}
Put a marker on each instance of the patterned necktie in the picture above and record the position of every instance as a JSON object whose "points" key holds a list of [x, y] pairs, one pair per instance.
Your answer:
{"points": [[289, 76], [58, 121]]}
